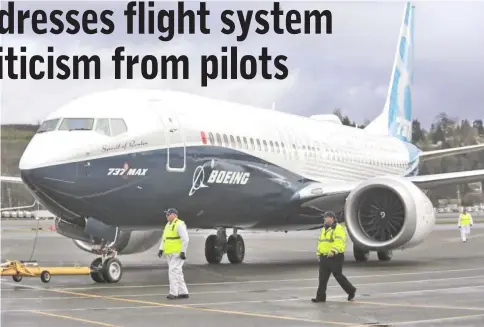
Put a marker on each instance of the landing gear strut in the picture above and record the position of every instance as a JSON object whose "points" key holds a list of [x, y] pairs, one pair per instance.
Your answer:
{"points": [[217, 245], [363, 255], [107, 268]]}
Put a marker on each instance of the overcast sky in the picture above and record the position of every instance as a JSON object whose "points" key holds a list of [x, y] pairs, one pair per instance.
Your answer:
{"points": [[349, 69]]}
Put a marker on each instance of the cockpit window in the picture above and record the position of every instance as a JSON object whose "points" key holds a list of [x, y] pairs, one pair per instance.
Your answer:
{"points": [[118, 126], [77, 124], [48, 126], [102, 127]]}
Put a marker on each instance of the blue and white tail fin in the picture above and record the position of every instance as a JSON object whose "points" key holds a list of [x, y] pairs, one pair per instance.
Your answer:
{"points": [[396, 118]]}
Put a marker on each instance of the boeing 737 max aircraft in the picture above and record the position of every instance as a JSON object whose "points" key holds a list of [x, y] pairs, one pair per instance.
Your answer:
{"points": [[109, 164]]}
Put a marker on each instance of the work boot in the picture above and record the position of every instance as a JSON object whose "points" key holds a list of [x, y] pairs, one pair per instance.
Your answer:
{"points": [[316, 300], [183, 296], [351, 296], [171, 297]]}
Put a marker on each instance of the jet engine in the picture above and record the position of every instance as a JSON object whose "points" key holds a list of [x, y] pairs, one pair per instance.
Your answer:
{"points": [[387, 213], [126, 241]]}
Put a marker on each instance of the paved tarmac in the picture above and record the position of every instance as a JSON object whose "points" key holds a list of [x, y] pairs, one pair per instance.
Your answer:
{"points": [[439, 283]]}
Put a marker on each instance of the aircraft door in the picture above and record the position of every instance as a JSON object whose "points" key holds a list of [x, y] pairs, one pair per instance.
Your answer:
{"points": [[176, 152], [292, 139], [176, 143]]}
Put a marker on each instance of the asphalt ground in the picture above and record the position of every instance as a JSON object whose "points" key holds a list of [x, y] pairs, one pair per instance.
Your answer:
{"points": [[439, 283]]}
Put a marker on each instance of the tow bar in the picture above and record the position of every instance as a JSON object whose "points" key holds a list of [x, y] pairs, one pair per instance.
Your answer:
{"points": [[20, 269]]}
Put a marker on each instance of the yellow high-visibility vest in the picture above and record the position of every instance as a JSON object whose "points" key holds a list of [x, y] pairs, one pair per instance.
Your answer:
{"points": [[465, 219], [172, 241], [332, 240]]}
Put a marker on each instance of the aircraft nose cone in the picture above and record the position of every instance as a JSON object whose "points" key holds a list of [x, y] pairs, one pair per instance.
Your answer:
{"points": [[27, 177]]}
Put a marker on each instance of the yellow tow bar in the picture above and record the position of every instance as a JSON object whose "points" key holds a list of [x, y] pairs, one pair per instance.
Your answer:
{"points": [[20, 269]]}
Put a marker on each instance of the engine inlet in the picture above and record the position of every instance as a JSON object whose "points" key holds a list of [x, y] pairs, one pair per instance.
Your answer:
{"points": [[381, 214]]}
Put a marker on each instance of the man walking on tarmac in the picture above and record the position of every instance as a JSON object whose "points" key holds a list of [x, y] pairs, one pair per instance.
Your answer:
{"points": [[465, 223], [174, 244], [331, 249]]}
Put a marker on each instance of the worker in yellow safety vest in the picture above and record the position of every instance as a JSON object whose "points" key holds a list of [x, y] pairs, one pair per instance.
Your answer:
{"points": [[465, 223], [174, 244], [331, 249]]}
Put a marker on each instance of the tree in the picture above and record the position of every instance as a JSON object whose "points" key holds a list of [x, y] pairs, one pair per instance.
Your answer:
{"points": [[477, 124], [417, 132]]}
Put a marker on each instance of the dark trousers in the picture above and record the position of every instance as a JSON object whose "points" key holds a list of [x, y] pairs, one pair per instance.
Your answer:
{"points": [[328, 266]]}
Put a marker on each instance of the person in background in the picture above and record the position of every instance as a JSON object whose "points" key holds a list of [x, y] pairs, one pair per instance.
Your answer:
{"points": [[465, 223], [331, 249], [174, 244]]}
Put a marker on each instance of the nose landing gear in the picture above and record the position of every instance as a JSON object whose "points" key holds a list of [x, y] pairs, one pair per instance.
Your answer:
{"points": [[107, 268]]}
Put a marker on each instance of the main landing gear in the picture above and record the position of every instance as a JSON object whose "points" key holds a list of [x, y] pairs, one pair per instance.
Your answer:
{"points": [[363, 255], [217, 245], [107, 268]]}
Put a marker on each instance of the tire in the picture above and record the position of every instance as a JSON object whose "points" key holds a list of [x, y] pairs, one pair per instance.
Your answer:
{"points": [[361, 255], [112, 270], [385, 255], [213, 255], [236, 249], [96, 274], [17, 278], [45, 276]]}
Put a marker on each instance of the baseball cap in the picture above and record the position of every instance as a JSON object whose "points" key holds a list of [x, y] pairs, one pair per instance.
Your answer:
{"points": [[329, 214], [171, 211]]}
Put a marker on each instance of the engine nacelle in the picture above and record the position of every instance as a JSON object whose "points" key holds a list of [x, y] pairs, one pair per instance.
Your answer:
{"points": [[127, 241], [387, 213]]}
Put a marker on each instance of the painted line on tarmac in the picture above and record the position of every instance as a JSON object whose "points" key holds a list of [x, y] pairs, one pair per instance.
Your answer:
{"points": [[293, 299], [439, 320], [268, 290], [382, 274], [191, 308], [92, 322]]}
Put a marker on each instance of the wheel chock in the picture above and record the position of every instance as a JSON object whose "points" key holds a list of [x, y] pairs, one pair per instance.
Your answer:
{"points": [[20, 269]]}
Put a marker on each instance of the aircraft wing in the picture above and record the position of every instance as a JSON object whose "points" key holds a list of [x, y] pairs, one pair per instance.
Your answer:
{"points": [[339, 191], [436, 180], [11, 179], [437, 154]]}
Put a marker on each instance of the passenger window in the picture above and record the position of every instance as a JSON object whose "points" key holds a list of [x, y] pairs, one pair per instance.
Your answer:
{"points": [[226, 140], [246, 145], [252, 143], [211, 138], [102, 127], [118, 126], [232, 142], [265, 145], [219, 139], [239, 143], [77, 124], [277, 147], [271, 144], [258, 145]]}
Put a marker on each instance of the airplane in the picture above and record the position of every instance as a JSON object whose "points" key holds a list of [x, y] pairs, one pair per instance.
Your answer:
{"points": [[109, 163]]}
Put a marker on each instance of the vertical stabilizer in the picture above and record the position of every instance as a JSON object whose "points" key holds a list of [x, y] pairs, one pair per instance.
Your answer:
{"points": [[396, 118]]}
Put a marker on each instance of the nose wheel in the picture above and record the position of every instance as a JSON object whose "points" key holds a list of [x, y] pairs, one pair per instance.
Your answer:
{"points": [[109, 271]]}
